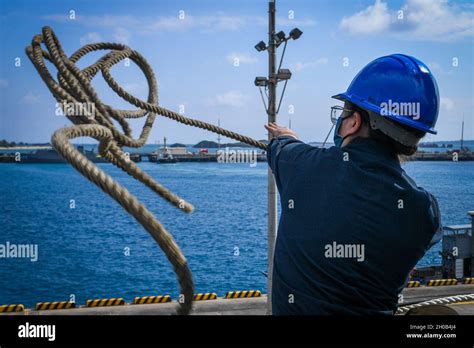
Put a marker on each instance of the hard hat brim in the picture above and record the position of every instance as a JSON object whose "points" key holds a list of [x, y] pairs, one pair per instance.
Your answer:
{"points": [[364, 104]]}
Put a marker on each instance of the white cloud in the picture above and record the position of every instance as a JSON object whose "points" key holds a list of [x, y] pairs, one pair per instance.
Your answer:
{"points": [[122, 35], [298, 66], [231, 98], [375, 18], [439, 20], [434, 66], [286, 22], [163, 23], [31, 98], [446, 103], [3, 83], [439, 69], [155, 24], [241, 58], [223, 22], [119, 34], [136, 89], [91, 37], [431, 20]]}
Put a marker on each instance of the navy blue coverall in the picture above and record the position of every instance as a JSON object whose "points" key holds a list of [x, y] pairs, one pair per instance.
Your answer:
{"points": [[355, 195]]}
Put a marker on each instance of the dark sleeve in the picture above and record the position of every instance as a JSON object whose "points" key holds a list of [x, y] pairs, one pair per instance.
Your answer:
{"points": [[435, 216], [282, 152]]}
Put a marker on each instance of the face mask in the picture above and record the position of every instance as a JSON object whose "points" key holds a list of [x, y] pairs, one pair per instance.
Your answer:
{"points": [[337, 138]]}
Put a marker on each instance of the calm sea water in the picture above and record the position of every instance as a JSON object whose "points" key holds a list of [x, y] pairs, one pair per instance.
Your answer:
{"points": [[83, 251]]}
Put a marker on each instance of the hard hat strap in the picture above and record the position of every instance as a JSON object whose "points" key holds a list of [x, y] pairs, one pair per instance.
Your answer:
{"points": [[390, 129]]}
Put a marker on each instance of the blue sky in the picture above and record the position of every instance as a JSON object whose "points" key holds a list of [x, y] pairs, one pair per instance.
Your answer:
{"points": [[193, 59]]}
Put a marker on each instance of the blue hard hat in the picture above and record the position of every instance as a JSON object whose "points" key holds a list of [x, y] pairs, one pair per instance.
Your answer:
{"points": [[397, 83]]}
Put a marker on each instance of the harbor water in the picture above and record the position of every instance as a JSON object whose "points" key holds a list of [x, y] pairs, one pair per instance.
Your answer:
{"points": [[89, 247]]}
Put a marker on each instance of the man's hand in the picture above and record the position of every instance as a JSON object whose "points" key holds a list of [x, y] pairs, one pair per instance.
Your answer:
{"points": [[277, 130]]}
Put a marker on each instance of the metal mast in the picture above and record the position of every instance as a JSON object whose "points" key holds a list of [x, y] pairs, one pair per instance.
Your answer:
{"points": [[272, 191], [270, 84]]}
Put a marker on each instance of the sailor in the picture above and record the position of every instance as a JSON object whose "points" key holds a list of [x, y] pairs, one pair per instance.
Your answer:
{"points": [[356, 194]]}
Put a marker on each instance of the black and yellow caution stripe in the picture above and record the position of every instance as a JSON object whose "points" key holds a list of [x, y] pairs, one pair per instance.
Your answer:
{"points": [[12, 308], [205, 296], [152, 299], [242, 294], [40, 306], [105, 302], [440, 282], [413, 284]]}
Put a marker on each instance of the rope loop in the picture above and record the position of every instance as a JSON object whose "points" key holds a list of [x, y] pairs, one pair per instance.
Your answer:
{"points": [[73, 85]]}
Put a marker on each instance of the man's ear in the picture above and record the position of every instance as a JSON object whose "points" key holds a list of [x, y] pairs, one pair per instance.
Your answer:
{"points": [[354, 123]]}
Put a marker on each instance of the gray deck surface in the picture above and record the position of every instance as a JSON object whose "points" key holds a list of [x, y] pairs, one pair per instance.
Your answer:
{"points": [[246, 306]]}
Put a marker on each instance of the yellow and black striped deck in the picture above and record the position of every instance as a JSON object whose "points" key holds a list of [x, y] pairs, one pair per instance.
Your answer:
{"points": [[105, 302], [205, 296], [40, 306], [243, 294], [468, 281], [152, 299], [12, 308], [413, 284], [440, 282]]}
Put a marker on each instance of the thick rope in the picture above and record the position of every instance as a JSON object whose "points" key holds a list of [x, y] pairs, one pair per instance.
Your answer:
{"points": [[436, 301], [73, 86]]}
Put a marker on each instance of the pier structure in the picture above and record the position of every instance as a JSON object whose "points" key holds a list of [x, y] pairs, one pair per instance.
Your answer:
{"points": [[244, 306]]}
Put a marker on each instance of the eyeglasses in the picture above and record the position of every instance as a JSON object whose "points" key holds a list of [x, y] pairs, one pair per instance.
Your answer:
{"points": [[338, 112]]}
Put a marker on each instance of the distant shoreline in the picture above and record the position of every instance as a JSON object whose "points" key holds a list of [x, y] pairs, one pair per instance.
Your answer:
{"points": [[211, 144], [26, 147]]}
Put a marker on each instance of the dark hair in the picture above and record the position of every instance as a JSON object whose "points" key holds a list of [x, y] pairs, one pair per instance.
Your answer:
{"points": [[396, 147]]}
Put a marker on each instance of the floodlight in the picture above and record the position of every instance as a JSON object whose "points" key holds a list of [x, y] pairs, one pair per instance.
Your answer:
{"points": [[295, 34], [284, 74], [280, 36], [261, 81], [261, 46]]}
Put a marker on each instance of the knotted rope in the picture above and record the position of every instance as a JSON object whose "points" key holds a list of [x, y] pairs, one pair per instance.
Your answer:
{"points": [[73, 86]]}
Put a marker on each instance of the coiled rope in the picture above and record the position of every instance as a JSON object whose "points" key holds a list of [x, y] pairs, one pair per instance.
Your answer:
{"points": [[436, 301], [73, 86]]}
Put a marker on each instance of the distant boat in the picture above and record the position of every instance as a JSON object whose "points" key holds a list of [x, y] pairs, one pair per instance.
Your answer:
{"points": [[166, 157]]}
